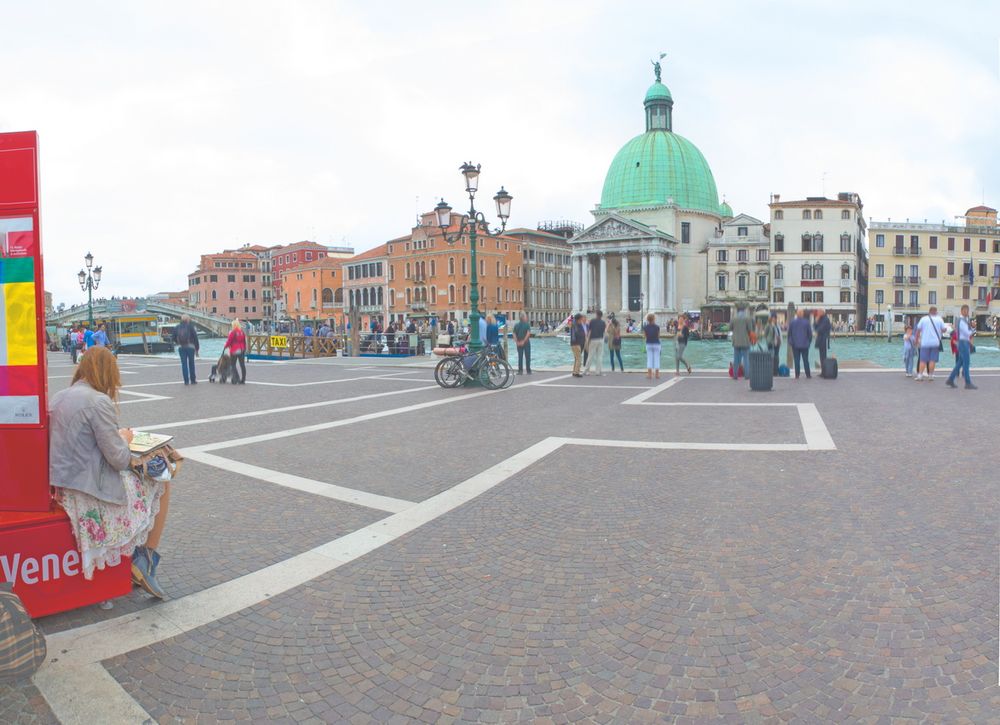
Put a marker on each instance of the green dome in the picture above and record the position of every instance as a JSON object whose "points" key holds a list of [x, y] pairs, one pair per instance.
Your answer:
{"points": [[657, 91], [725, 210], [656, 166]]}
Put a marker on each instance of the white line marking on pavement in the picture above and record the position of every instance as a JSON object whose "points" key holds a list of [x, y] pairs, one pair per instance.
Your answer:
{"points": [[85, 694], [585, 386], [818, 436], [308, 485], [144, 397], [647, 394], [66, 377], [319, 382], [284, 409]]}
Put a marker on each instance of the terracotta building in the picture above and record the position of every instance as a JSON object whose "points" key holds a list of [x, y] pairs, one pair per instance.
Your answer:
{"points": [[429, 277], [284, 258], [314, 291], [228, 284]]}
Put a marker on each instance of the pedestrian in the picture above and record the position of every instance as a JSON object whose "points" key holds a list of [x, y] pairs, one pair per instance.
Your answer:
{"points": [[187, 347], [772, 335], [577, 343], [236, 344], [615, 341], [741, 343], [652, 332], [909, 350], [595, 344], [930, 334], [113, 511], [75, 343], [822, 328], [492, 331], [522, 338], [800, 337], [101, 336], [964, 331], [680, 344]]}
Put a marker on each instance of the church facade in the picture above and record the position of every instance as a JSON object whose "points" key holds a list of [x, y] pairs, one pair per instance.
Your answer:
{"points": [[646, 250]]}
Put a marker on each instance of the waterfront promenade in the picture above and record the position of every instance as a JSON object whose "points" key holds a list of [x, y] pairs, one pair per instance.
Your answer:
{"points": [[348, 542]]}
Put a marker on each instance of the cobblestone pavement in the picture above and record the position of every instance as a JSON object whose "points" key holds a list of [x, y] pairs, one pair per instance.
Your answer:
{"points": [[657, 562]]}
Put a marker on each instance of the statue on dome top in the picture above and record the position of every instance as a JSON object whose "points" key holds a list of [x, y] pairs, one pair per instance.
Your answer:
{"points": [[656, 66]]}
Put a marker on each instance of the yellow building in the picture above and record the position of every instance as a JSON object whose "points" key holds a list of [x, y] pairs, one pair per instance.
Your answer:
{"points": [[916, 265]]}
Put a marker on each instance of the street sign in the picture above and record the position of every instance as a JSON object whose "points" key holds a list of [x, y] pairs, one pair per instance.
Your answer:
{"points": [[279, 341]]}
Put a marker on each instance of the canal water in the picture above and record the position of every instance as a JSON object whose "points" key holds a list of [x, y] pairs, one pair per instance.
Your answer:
{"points": [[549, 352]]}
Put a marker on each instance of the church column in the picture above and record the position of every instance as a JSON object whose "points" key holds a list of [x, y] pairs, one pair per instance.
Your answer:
{"points": [[577, 283], [603, 283], [585, 275], [644, 281], [624, 307], [656, 280], [672, 277]]}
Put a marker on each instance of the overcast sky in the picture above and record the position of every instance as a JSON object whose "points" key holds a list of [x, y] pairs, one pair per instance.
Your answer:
{"points": [[174, 129]]}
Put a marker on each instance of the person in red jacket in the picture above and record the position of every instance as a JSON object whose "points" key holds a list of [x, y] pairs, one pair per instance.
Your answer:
{"points": [[236, 345]]}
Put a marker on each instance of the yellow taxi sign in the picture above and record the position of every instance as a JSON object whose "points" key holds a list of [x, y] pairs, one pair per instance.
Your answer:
{"points": [[279, 341]]}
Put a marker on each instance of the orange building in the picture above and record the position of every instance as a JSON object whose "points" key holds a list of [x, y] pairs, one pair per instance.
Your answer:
{"points": [[314, 290], [429, 277], [228, 284]]}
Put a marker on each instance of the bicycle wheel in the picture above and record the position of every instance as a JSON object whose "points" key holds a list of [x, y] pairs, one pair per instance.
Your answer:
{"points": [[494, 373], [450, 372]]}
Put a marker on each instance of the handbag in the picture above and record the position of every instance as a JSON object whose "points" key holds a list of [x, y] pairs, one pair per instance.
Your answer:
{"points": [[160, 464]]}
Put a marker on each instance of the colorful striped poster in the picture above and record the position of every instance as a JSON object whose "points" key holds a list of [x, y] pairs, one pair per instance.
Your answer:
{"points": [[19, 364]]}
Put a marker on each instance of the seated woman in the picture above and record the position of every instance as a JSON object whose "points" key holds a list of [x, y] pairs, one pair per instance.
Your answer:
{"points": [[113, 511]]}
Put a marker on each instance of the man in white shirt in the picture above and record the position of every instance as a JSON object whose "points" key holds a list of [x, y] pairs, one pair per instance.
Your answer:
{"points": [[930, 335], [964, 331]]}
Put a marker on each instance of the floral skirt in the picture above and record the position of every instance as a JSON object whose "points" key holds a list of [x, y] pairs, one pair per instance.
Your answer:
{"points": [[107, 531]]}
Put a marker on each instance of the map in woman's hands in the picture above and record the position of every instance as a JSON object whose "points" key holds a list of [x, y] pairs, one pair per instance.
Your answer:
{"points": [[143, 442]]}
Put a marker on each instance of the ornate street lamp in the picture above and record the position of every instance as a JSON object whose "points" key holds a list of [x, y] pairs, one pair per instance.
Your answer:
{"points": [[470, 223], [89, 281]]}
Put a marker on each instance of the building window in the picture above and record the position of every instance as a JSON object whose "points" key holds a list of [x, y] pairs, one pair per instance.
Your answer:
{"points": [[779, 271], [951, 268], [465, 294], [741, 231], [230, 277], [779, 295], [451, 265], [817, 296], [451, 294], [932, 243], [845, 295], [845, 214], [914, 298], [762, 255], [845, 271], [720, 255], [965, 291], [309, 256], [741, 282], [932, 271], [932, 297], [807, 296], [845, 243], [967, 245], [779, 242], [879, 240], [720, 282], [807, 271], [779, 214], [880, 270], [806, 214], [818, 214], [951, 244], [762, 283], [879, 297], [685, 232], [950, 292], [806, 243], [982, 245], [742, 255], [465, 267]]}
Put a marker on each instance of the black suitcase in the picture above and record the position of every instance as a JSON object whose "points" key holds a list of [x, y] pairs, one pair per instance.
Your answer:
{"points": [[829, 370], [761, 372]]}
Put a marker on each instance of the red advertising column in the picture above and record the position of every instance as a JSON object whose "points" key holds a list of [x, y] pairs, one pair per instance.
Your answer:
{"points": [[24, 459]]}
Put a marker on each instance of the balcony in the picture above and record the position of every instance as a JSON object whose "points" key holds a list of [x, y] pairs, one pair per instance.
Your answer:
{"points": [[910, 251], [913, 280], [846, 282], [415, 306], [778, 283]]}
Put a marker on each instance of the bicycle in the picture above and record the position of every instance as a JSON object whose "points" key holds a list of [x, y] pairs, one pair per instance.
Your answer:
{"points": [[487, 366]]}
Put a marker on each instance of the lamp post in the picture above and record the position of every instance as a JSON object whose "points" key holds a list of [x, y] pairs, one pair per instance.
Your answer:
{"points": [[89, 281], [889, 329], [470, 223], [880, 314]]}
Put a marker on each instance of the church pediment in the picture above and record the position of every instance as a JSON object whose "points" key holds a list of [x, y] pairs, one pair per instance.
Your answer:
{"points": [[614, 228]]}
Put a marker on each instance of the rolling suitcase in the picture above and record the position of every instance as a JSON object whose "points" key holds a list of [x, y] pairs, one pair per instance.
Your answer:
{"points": [[829, 370], [761, 370]]}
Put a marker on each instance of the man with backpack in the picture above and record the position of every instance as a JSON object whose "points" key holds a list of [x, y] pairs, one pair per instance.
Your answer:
{"points": [[186, 337]]}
